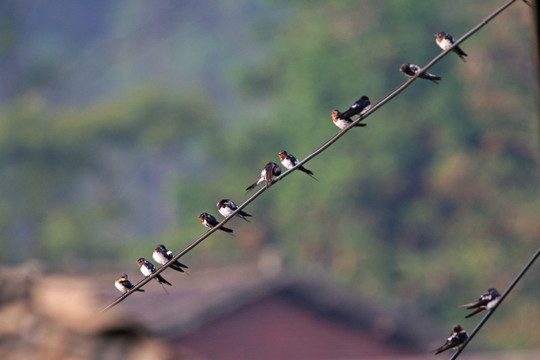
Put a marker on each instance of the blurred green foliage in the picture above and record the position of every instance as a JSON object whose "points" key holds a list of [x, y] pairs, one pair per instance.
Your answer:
{"points": [[431, 204]]}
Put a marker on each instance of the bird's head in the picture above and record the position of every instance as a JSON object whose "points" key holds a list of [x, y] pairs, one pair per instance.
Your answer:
{"points": [[335, 114], [458, 328], [276, 170], [160, 247], [493, 291]]}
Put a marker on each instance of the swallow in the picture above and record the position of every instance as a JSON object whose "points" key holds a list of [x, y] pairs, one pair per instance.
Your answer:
{"points": [[486, 302], [226, 207], [209, 221], [411, 69], [271, 169], [445, 40], [162, 256], [124, 285], [147, 269], [456, 338], [289, 161], [341, 121], [360, 107]]}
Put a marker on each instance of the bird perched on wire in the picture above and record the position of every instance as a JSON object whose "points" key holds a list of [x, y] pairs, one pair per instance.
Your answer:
{"points": [[163, 256], [210, 221], [445, 41], [226, 207], [412, 69], [343, 119], [456, 338], [124, 285], [486, 302], [360, 107], [289, 161], [147, 269], [270, 170]]}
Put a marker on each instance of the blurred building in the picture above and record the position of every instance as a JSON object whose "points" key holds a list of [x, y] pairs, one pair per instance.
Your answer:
{"points": [[58, 317], [254, 312], [238, 312]]}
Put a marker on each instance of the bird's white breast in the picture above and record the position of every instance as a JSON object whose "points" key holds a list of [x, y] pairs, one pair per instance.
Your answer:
{"points": [[120, 287], [225, 211], [160, 259], [490, 305], [205, 223], [342, 124], [444, 44], [145, 271], [287, 163]]}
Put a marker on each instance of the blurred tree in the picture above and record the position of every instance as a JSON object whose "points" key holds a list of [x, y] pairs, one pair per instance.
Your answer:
{"points": [[74, 180], [434, 201], [430, 202]]}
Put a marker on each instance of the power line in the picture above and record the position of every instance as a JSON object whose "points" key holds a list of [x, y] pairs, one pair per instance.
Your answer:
{"points": [[316, 152], [487, 316]]}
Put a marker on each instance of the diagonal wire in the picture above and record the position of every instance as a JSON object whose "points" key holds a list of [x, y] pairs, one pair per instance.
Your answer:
{"points": [[316, 152], [507, 291]]}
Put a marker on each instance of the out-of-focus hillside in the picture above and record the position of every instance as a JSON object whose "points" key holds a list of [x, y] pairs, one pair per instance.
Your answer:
{"points": [[120, 123]]}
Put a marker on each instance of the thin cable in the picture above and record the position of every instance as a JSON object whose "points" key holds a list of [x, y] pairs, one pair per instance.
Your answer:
{"points": [[487, 316], [316, 152], [185, 251], [406, 84]]}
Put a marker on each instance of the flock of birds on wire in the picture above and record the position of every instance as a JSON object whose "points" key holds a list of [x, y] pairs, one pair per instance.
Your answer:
{"points": [[342, 120]]}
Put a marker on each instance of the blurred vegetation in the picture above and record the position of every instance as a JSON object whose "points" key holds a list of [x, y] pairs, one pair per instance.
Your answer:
{"points": [[105, 154]]}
